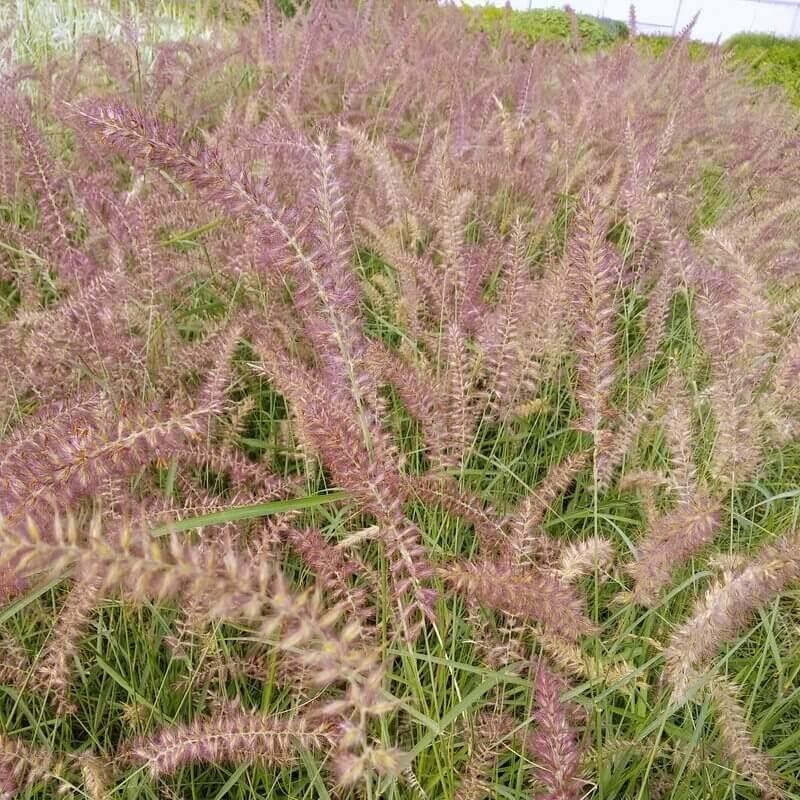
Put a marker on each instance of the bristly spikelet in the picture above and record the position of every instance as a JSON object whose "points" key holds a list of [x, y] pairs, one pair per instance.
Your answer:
{"points": [[228, 587], [596, 271], [230, 736], [488, 732], [96, 775], [669, 541], [52, 672], [332, 428], [734, 317], [23, 764], [77, 458], [679, 435], [527, 537], [505, 352], [614, 443], [584, 558], [333, 572], [571, 660], [461, 407], [725, 609], [50, 188], [737, 740], [497, 646], [11, 584], [14, 661], [554, 745], [522, 592], [92, 328]]}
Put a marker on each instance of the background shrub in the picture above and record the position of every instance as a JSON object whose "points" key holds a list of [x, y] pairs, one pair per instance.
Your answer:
{"points": [[549, 25], [774, 61]]}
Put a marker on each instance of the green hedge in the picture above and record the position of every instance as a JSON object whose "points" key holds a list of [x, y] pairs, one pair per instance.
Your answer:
{"points": [[549, 25], [773, 60]]}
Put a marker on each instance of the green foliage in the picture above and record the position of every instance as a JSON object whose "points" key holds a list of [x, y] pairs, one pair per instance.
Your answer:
{"points": [[290, 7], [657, 45], [549, 25], [774, 61]]}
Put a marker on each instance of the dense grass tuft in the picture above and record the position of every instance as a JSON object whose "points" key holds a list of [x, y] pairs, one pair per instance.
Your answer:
{"points": [[393, 410]]}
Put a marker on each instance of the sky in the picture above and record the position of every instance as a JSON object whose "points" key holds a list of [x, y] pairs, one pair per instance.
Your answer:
{"points": [[718, 18]]}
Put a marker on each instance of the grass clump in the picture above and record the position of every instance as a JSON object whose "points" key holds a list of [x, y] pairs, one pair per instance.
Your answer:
{"points": [[409, 424]]}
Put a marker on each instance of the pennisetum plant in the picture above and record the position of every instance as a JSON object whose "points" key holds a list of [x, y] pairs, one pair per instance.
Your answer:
{"points": [[357, 354]]}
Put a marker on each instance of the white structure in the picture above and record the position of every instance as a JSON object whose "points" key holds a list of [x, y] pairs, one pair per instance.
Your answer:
{"points": [[718, 18]]}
